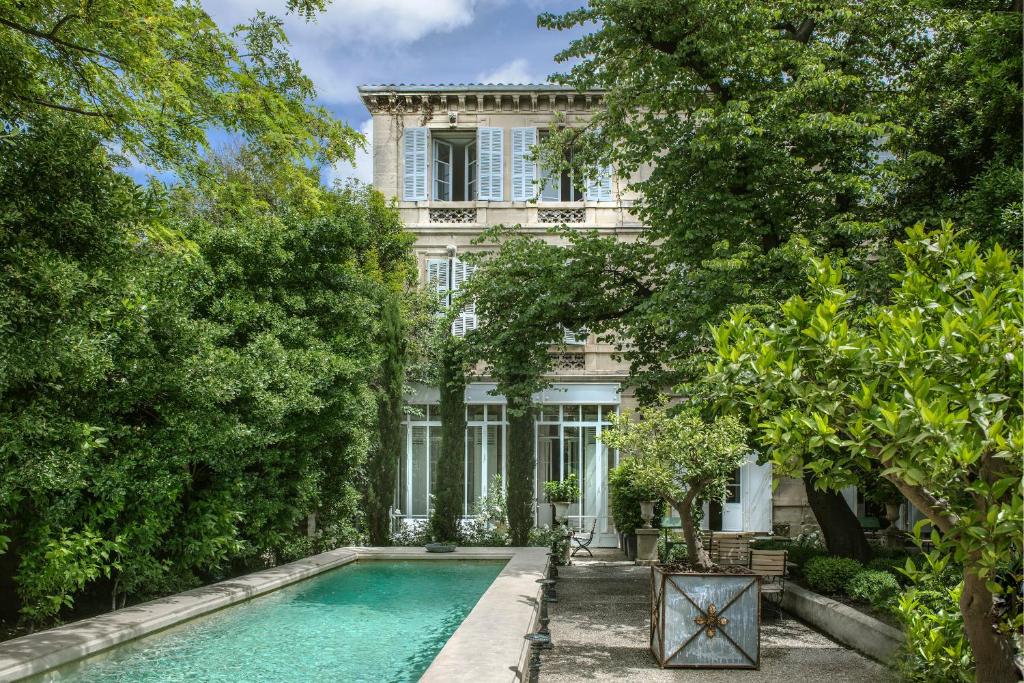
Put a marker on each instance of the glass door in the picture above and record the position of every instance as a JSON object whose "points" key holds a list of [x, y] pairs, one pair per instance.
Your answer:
{"points": [[442, 171], [471, 178]]}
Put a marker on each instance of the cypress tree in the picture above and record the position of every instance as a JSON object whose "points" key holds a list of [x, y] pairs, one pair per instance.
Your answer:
{"points": [[520, 469], [448, 488], [383, 463]]}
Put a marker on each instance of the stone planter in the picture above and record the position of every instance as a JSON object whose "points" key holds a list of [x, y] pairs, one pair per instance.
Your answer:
{"points": [[561, 510], [705, 620]]}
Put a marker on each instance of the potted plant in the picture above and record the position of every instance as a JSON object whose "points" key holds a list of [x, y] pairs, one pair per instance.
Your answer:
{"points": [[688, 460], [562, 494]]}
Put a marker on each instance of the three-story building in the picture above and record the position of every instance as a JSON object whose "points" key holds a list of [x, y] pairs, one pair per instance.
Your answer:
{"points": [[457, 159]]}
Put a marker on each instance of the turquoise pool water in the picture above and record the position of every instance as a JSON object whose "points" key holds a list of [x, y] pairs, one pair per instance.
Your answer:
{"points": [[367, 621]]}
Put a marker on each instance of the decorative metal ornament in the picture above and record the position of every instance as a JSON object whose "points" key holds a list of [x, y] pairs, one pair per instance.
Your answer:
{"points": [[712, 620]]}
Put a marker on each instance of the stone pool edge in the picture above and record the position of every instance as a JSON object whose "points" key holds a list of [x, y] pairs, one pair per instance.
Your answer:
{"points": [[488, 645], [498, 640], [47, 650]]}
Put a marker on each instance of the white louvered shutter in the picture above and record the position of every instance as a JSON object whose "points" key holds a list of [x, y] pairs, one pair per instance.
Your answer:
{"points": [[414, 164], [466, 320], [600, 188], [490, 152], [575, 338], [437, 278], [524, 170]]}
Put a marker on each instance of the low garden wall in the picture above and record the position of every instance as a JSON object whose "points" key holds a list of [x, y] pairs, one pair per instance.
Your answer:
{"points": [[843, 623]]}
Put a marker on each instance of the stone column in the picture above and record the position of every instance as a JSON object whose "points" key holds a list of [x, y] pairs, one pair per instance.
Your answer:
{"points": [[646, 546]]}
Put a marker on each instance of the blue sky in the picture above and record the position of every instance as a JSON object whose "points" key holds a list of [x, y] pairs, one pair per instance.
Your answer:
{"points": [[410, 41]]}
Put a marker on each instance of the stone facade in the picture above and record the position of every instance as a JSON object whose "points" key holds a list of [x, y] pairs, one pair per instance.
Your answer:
{"points": [[447, 228]]}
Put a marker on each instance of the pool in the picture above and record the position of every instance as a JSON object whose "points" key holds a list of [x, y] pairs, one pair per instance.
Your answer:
{"points": [[367, 621]]}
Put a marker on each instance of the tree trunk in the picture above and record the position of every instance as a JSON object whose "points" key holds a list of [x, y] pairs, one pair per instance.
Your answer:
{"points": [[843, 533], [520, 484], [993, 654], [696, 555]]}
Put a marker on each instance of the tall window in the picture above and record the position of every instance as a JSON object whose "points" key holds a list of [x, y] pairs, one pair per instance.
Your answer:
{"points": [[485, 450], [417, 464], [454, 166]]}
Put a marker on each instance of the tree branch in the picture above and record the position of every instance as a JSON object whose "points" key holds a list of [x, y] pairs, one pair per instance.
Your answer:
{"points": [[63, 107], [801, 33], [27, 30], [936, 509]]}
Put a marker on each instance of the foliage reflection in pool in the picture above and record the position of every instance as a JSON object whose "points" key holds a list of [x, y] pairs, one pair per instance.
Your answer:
{"points": [[368, 621]]}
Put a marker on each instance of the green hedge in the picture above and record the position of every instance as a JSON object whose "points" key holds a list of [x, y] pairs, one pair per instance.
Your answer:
{"points": [[876, 588], [830, 574]]}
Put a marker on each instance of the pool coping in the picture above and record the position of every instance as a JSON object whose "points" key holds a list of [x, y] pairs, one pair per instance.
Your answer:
{"points": [[481, 634]]}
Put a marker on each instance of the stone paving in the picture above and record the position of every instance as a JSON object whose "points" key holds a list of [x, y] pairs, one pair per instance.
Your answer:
{"points": [[600, 628]]}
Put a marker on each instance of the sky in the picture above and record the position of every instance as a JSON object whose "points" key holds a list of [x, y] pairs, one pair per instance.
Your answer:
{"points": [[357, 42]]}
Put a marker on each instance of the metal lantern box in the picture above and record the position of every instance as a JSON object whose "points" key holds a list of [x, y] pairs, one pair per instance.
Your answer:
{"points": [[705, 620]]}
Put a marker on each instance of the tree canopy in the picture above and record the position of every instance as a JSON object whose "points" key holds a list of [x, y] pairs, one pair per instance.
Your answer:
{"points": [[749, 137], [684, 458], [925, 390], [173, 416], [159, 79]]}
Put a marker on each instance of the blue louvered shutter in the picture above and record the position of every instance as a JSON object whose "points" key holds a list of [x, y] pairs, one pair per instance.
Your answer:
{"points": [[490, 151], [524, 169], [466, 320], [414, 164], [576, 338], [437, 278], [599, 189]]}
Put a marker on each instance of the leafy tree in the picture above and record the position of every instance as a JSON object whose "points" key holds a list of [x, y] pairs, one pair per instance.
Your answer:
{"points": [[382, 464], [171, 416], [157, 76], [958, 147], [296, 291], [926, 389], [446, 508], [752, 136], [682, 457]]}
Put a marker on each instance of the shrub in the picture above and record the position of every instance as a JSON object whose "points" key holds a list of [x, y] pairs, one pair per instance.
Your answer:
{"points": [[489, 524], [677, 552], [547, 537], [830, 574], [892, 564], [935, 648], [877, 588], [625, 491]]}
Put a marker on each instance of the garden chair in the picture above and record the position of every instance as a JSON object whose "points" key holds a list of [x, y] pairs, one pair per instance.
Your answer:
{"points": [[770, 565], [730, 549], [582, 541]]}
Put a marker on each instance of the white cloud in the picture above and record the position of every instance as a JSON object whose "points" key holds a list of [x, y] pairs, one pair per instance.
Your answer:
{"points": [[392, 21], [516, 71], [362, 169], [348, 43]]}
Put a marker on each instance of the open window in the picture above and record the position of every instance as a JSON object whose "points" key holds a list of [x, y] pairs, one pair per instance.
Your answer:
{"points": [[559, 186], [454, 168]]}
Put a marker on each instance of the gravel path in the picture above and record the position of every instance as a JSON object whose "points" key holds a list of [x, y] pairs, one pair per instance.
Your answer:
{"points": [[600, 627]]}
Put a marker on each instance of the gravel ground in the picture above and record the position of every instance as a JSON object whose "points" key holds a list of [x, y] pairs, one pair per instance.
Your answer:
{"points": [[600, 628]]}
